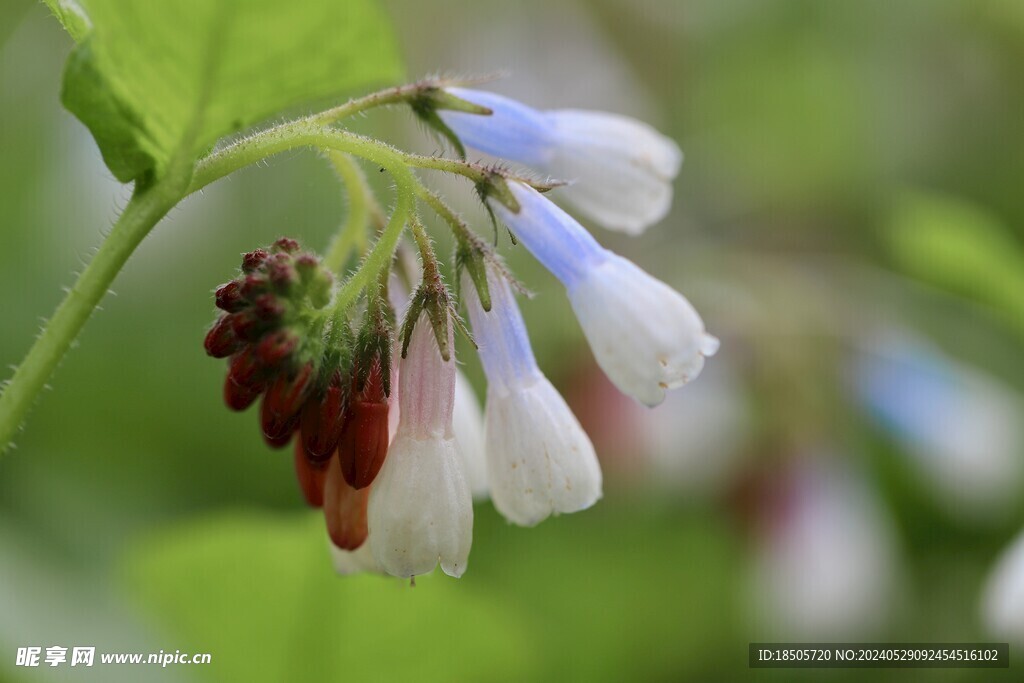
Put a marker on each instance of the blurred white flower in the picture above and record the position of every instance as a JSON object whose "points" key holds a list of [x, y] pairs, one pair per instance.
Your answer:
{"points": [[619, 170], [694, 438], [1003, 601], [962, 427], [355, 561], [645, 336], [826, 565], [420, 510], [539, 460]]}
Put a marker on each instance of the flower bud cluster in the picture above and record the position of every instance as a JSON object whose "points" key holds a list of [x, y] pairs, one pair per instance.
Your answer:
{"points": [[315, 380]]}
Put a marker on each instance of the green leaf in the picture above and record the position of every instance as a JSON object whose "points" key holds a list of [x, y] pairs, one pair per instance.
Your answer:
{"points": [[962, 248], [71, 16], [158, 82], [258, 592]]}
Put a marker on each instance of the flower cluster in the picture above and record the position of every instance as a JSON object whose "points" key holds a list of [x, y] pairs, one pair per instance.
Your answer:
{"points": [[396, 452]]}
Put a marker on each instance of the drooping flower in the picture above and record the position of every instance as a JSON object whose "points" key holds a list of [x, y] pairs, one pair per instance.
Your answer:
{"points": [[645, 336], [826, 562], [468, 428], [467, 418], [960, 427], [420, 509], [539, 460], [1003, 601], [619, 170]]}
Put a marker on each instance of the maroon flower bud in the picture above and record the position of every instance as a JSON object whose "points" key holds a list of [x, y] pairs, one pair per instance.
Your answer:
{"points": [[269, 307], [364, 440], [323, 419], [281, 439], [310, 475], [253, 260], [276, 347], [344, 510], [246, 325], [282, 274], [281, 404], [245, 370], [287, 245], [221, 340], [254, 285], [306, 264], [229, 297], [238, 397]]}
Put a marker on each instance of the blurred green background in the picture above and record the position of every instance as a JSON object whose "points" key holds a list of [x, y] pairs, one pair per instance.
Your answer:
{"points": [[851, 198]]}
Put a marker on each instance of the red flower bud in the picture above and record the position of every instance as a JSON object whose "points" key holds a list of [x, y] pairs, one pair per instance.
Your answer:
{"points": [[310, 475], [287, 245], [344, 510], [323, 419], [306, 263], [238, 397], [221, 340], [254, 285], [253, 260], [281, 440], [364, 440], [229, 297], [245, 370], [277, 347], [246, 325], [282, 274], [281, 404], [268, 307]]}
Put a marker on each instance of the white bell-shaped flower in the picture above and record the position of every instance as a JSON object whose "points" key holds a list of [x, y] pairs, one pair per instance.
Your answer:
{"points": [[539, 460], [358, 561], [1003, 602], [420, 511], [645, 335], [619, 170], [468, 427]]}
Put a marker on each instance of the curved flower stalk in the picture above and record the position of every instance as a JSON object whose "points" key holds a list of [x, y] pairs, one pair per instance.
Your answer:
{"points": [[1003, 602], [619, 170], [645, 336], [420, 510], [539, 460]]}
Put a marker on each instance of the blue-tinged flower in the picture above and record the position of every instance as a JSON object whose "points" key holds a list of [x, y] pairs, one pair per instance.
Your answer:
{"points": [[961, 427], [539, 460], [645, 336], [619, 170], [1003, 601]]}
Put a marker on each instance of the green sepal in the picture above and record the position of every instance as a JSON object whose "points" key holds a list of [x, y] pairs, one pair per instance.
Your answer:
{"points": [[428, 115], [374, 343], [471, 258], [432, 297]]}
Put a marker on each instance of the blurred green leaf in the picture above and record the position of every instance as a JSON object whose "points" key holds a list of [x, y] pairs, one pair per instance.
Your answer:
{"points": [[152, 80], [259, 594], [961, 247]]}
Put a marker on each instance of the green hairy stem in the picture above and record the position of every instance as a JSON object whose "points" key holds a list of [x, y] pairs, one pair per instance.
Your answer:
{"points": [[150, 203]]}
